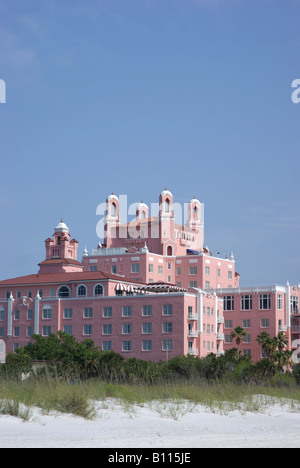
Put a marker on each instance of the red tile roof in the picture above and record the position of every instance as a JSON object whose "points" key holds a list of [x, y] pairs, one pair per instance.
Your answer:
{"points": [[54, 278]]}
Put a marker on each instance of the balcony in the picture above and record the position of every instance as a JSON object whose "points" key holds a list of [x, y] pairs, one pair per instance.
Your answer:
{"points": [[192, 317], [193, 352], [220, 336], [221, 320], [282, 328], [192, 334], [295, 328]]}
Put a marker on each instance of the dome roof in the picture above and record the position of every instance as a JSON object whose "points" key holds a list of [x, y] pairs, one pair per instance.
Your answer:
{"points": [[166, 192], [112, 196], [194, 200], [62, 227], [142, 205]]}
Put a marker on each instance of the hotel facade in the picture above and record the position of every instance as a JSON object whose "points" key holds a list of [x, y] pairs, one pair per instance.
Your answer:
{"points": [[151, 291]]}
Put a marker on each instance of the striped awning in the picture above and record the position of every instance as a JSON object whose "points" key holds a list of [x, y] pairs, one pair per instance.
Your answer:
{"points": [[121, 287]]}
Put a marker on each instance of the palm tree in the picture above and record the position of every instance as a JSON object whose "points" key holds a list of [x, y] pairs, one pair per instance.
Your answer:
{"points": [[238, 333]]}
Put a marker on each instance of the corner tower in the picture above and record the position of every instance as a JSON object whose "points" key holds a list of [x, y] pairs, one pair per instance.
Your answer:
{"points": [[61, 252]]}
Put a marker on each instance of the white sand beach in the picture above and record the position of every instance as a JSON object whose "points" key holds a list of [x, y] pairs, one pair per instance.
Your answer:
{"points": [[155, 425]]}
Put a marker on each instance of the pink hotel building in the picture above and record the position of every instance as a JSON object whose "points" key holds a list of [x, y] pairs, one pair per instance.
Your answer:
{"points": [[152, 291]]}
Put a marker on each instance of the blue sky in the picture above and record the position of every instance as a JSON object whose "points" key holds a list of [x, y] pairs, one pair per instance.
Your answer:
{"points": [[133, 96]]}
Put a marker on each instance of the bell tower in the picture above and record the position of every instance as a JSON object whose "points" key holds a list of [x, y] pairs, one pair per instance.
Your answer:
{"points": [[61, 252]]}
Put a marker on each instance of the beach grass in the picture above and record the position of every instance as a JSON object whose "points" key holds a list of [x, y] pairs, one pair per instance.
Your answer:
{"points": [[79, 398]]}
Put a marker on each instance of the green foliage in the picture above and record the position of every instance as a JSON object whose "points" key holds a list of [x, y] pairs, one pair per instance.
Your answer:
{"points": [[78, 361]]}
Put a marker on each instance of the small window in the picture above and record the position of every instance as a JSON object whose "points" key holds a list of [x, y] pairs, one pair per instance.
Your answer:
{"points": [[63, 292], [99, 290], [81, 291]]}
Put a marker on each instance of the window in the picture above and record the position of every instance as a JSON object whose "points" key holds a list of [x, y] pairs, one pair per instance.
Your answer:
{"points": [[178, 271], [107, 329], [150, 268], [167, 309], [29, 315], [107, 311], [246, 302], [167, 327], [194, 270], [68, 329], [88, 312], [126, 346], [207, 270], [246, 323], [1, 332], [247, 339], [279, 302], [64, 291], [68, 313], [169, 266], [147, 328], [107, 346], [230, 275], [167, 206], [113, 210], [264, 301], [1, 314], [81, 291], [265, 323], [17, 331], [135, 268], [127, 328], [228, 339], [29, 294], [7, 295], [41, 293], [99, 290], [208, 311], [88, 329], [18, 294], [114, 269], [127, 311], [147, 310], [193, 284], [147, 345], [93, 268], [17, 315], [29, 331], [47, 312], [160, 270], [46, 331], [228, 302], [228, 324], [294, 304], [219, 272], [167, 345], [207, 284]]}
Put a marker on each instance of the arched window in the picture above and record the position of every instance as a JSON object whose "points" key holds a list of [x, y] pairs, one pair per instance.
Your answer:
{"points": [[81, 291], [167, 206], [113, 209], [64, 291], [169, 251], [99, 290], [143, 215]]}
